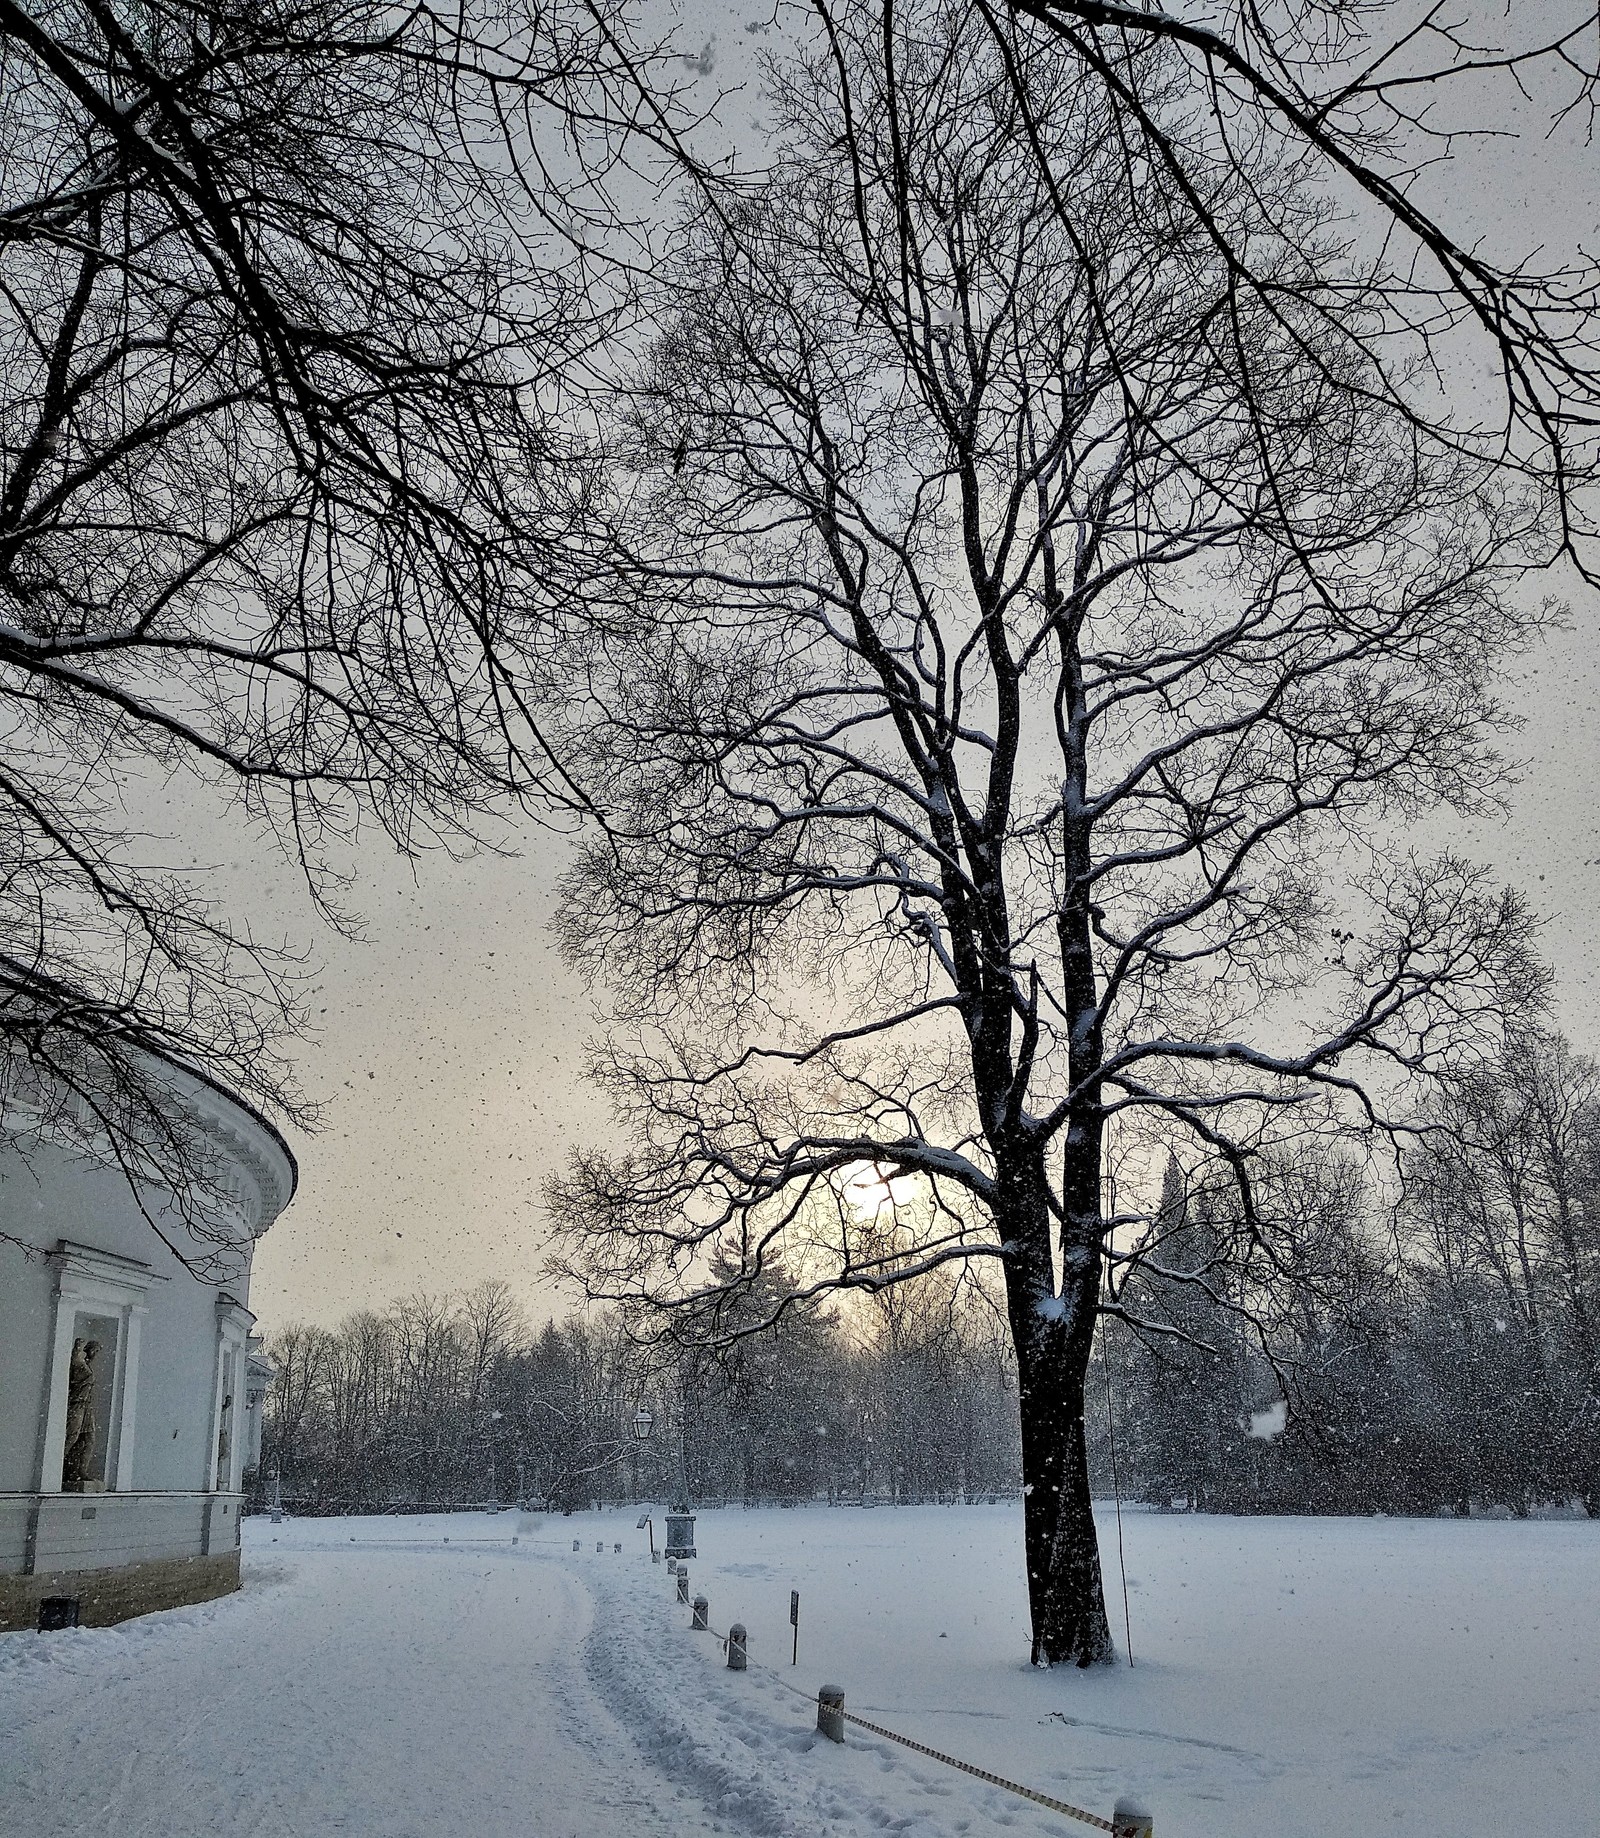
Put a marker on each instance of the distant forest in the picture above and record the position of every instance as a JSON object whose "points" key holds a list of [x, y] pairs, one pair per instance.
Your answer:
{"points": [[1420, 1346]]}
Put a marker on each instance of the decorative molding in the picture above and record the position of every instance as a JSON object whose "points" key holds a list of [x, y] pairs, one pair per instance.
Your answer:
{"points": [[256, 1170], [234, 1320], [265, 1189], [101, 1276]]}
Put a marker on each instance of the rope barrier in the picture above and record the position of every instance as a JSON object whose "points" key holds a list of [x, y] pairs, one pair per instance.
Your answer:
{"points": [[953, 1761], [983, 1774]]}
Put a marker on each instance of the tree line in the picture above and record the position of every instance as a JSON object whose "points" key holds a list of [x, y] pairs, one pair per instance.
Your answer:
{"points": [[1435, 1353], [456, 1400], [1422, 1347]]}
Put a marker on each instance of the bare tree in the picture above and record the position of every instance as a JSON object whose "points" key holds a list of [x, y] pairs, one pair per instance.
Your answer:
{"points": [[1501, 1203], [299, 1361], [288, 292], [1379, 102], [1021, 638]]}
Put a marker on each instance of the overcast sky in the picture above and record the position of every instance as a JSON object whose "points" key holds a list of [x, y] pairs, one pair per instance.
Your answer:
{"points": [[450, 1041]]}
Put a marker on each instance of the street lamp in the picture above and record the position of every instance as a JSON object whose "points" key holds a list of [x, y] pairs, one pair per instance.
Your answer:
{"points": [[494, 1467], [680, 1521], [643, 1422]]}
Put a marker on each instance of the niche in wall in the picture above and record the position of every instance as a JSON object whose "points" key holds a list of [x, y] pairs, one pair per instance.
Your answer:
{"points": [[87, 1428], [86, 1456]]}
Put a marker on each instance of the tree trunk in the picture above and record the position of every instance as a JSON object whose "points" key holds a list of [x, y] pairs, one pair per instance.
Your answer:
{"points": [[1053, 1336], [1065, 1593]]}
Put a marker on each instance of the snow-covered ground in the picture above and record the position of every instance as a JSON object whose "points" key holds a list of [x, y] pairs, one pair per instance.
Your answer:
{"points": [[1299, 1677]]}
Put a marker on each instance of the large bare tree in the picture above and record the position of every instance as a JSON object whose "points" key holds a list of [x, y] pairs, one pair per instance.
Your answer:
{"points": [[288, 292], [1023, 637]]}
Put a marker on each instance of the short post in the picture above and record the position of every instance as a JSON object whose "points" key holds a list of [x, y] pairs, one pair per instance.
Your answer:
{"points": [[736, 1647], [699, 1621], [576, 1545], [615, 1548], [600, 1544], [1129, 1819], [655, 1556], [683, 1585], [830, 1712]]}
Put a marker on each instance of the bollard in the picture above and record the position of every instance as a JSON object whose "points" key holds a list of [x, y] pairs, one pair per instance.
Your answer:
{"points": [[615, 1548], [513, 1537], [699, 1621], [600, 1544], [576, 1546], [655, 1557], [1129, 1819], [736, 1647], [830, 1712], [683, 1585]]}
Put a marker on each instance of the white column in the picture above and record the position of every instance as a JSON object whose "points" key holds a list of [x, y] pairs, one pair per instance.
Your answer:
{"points": [[237, 1422], [218, 1391], [53, 1445], [127, 1401]]}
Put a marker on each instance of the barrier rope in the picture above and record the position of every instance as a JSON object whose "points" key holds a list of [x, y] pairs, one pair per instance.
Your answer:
{"points": [[982, 1774], [953, 1761]]}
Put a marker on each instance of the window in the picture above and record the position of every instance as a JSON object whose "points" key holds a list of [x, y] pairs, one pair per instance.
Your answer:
{"points": [[226, 1468]]}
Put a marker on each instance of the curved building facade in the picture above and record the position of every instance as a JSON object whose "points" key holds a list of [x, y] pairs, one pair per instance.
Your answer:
{"points": [[130, 1381]]}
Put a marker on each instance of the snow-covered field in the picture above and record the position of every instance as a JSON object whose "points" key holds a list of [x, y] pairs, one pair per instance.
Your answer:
{"points": [[1296, 1678]]}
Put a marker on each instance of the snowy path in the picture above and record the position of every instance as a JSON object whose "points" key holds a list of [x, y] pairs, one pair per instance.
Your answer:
{"points": [[413, 1693]]}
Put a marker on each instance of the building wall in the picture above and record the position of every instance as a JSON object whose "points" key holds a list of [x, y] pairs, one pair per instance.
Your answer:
{"points": [[107, 1596], [157, 1519], [54, 1196]]}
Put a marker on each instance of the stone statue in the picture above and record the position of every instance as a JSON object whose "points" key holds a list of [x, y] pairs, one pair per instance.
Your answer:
{"points": [[224, 1444], [80, 1417]]}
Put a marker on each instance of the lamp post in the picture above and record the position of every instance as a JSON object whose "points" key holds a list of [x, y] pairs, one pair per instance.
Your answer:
{"points": [[494, 1466], [643, 1422], [680, 1520]]}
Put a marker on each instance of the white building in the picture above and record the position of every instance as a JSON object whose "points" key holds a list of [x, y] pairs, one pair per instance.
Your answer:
{"points": [[130, 1387]]}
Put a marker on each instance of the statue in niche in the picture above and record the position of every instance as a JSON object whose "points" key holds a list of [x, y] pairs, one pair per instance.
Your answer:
{"points": [[79, 1456], [223, 1443]]}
